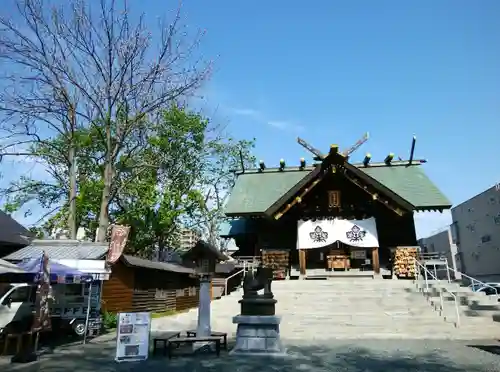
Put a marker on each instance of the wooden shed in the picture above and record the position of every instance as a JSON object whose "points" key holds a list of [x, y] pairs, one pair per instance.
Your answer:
{"points": [[137, 284]]}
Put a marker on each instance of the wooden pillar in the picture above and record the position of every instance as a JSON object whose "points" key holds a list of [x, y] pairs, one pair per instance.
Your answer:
{"points": [[302, 261], [258, 246], [375, 261]]}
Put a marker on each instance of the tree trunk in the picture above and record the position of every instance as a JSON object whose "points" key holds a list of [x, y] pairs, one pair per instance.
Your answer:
{"points": [[72, 192], [106, 191], [106, 196], [72, 225]]}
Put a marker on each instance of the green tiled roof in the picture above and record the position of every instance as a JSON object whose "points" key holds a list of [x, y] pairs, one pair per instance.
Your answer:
{"points": [[411, 183], [254, 192]]}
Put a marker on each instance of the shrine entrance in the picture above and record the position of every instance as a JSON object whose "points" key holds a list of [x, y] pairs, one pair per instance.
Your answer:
{"points": [[338, 245]]}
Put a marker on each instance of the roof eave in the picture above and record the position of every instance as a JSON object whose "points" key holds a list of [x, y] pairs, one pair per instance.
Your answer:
{"points": [[245, 214], [182, 270], [433, 208]]}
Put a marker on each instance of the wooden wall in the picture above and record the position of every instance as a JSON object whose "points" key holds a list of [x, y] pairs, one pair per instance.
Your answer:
{"points": [[138, 289], [160, 291], [117, 292]]}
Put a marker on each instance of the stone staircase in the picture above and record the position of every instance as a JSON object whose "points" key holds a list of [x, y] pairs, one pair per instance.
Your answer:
{"points": [[475, 308], [358, 308]]}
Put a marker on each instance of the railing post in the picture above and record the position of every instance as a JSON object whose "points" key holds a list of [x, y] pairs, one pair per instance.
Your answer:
{"points": [[441, 300], [425, 277]]}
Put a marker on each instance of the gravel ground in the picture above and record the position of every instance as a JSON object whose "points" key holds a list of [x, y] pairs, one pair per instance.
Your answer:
{"points": [[331, 356]]}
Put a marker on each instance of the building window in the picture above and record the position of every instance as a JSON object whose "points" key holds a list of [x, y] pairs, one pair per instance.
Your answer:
{"points": [[471, 227], [485, 238]]}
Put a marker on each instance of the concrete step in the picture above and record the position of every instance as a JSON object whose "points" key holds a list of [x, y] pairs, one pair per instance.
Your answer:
{"points": [[375, 311], [336, 294], [490, 314], [338, 318]]}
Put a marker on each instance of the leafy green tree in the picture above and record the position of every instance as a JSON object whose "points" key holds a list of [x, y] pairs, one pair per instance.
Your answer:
{"points": [[179, 176], [90, 65]]}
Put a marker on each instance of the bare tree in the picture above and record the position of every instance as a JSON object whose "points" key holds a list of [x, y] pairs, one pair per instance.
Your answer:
{"points": [[75, 67]]}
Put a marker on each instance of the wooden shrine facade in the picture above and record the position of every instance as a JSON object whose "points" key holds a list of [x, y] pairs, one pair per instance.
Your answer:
{"points": [[332, 189]]}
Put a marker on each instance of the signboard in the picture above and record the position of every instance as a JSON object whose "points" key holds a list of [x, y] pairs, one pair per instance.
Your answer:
{"points": [[358, 255], [132, 337], [119, 235], [41, 320]]}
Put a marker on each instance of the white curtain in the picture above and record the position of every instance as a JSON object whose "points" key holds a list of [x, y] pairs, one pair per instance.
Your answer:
{"points": [[321, 233]]}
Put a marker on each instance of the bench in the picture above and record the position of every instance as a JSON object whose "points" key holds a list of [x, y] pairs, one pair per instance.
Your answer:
{"points": [[163, 337], [222, 335], [177, 341]]}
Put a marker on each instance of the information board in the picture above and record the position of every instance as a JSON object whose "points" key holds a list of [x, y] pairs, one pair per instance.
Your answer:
{"points": [[132, 337]]}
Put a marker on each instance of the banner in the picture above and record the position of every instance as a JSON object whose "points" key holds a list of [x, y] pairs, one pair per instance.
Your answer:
{"points": [[321, 233], [119, 235], [41, 320]]}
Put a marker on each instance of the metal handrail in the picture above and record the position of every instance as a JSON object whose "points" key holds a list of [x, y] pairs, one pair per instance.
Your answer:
{"points": [[473, 280], [426, 273], [248, 262], [435, 257], [229, 277], [441, 256], [252, 259]]}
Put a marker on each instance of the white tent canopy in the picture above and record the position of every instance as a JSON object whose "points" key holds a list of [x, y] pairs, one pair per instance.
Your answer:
{"points": [[321, 233]]}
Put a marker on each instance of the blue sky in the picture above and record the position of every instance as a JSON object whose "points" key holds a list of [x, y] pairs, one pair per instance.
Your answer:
{"points": [[329, 71]]}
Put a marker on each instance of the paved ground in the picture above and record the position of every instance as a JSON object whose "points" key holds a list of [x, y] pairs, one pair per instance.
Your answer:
{"points": [[307, 336], [352, 356]]}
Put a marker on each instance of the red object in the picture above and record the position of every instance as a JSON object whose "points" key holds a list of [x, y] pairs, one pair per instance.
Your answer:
{"points": [[41, 320], [119, 236]]}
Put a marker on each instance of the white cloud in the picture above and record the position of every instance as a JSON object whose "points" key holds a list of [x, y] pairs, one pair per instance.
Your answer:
{"points": [[261, 117], [429, 223], [285, 125], [244, 112]]}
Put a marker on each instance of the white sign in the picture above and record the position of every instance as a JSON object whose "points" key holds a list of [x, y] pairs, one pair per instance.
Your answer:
{"points": [[321, 233], [132, 337]]}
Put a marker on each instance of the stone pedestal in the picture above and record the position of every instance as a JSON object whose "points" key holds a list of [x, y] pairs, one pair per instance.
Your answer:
{"points": [[258, 335]]}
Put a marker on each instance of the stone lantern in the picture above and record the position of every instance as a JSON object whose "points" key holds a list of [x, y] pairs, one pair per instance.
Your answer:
{"points": [[203, 257]]}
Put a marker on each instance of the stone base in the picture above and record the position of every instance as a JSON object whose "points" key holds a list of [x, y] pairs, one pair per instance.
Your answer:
{"points": [[258, 335]]}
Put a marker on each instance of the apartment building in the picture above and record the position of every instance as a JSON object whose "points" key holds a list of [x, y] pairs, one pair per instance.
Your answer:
{"points": [[188, 238], [476, 232]]}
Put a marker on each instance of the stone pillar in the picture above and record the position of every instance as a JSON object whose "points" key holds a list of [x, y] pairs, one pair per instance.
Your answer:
{"points": [[204, 328]]}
